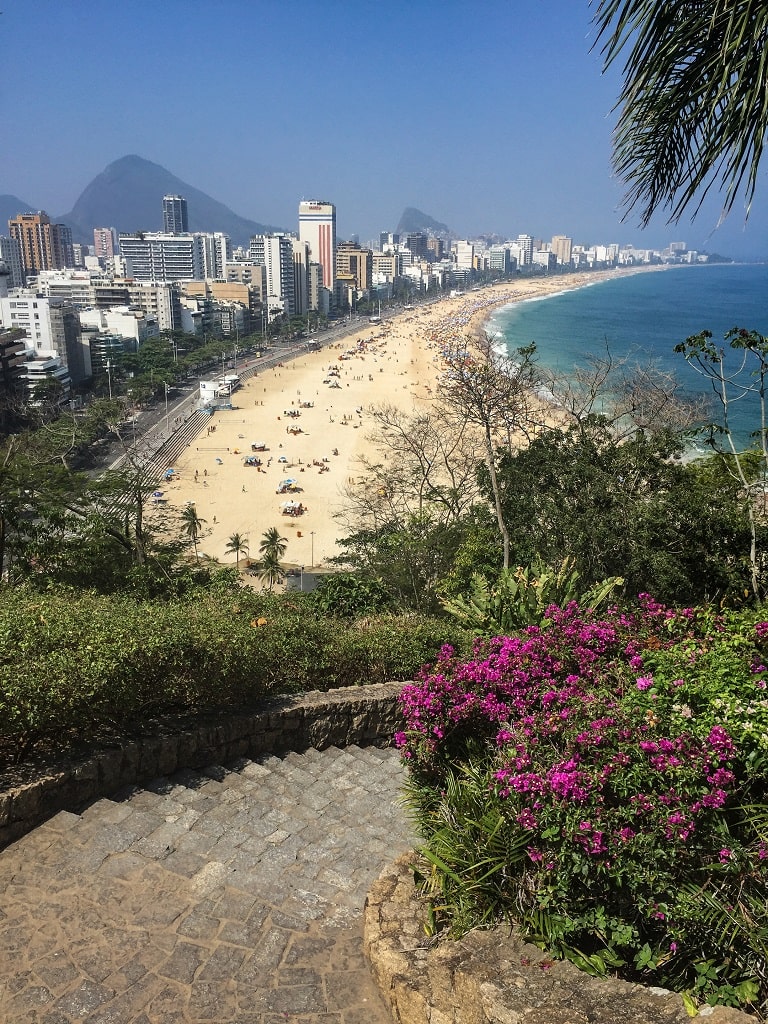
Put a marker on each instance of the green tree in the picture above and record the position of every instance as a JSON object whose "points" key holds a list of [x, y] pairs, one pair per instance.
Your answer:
{"points": [[748, 378], [497, 394], [694, 104], [237, 544], [270, 571], [410, 557], [192, 524], [625, 508], [272, 545]]}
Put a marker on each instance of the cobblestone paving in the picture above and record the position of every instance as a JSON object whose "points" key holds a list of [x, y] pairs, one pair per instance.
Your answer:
{"points": [[229, 896]]}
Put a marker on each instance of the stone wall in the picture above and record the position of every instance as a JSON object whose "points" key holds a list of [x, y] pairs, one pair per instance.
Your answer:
{"points": [[365, 715], [493, 977]]}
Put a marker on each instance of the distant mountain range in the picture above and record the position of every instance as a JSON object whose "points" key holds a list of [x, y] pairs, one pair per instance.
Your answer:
{"points": [[128, 196]]}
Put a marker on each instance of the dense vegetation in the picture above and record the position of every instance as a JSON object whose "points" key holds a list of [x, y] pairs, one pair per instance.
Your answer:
{"points": [[76, 667], [601, 781]]}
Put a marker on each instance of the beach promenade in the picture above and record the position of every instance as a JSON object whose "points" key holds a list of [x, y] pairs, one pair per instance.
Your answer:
{"points": [[309, 420]]}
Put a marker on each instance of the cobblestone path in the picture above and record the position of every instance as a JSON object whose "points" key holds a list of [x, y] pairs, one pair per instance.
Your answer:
{"points": [[231, 896]]}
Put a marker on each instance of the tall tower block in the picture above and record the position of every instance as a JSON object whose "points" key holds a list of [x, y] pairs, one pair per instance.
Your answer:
{"points": [[317, 226], [175, 220]]}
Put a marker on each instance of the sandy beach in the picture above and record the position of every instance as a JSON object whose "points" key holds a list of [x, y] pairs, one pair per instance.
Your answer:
{"points": [[311, 416]]}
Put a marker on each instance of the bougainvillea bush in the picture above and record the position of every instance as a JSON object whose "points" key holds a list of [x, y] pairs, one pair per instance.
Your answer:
{"points": [[601, 782]]}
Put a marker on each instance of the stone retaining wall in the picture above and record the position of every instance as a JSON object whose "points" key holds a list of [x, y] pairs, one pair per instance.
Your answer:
{"points": [[365, 715], [493, 977]]}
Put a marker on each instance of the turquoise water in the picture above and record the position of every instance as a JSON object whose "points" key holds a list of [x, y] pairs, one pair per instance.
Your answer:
{"points": [[642, 316]]}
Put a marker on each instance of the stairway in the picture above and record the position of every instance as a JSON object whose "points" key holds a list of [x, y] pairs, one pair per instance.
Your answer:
{"points": [[233, 894]]}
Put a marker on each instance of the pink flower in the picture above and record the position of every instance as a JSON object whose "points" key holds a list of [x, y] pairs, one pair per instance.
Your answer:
{"points": [[644, 682], [725, 855]]}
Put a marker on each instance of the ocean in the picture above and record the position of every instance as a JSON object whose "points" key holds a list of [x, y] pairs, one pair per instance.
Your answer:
{"points": [[642, 316]]}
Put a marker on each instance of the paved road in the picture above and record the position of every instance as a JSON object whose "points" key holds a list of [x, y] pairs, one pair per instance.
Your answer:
{"points": [[231, 896]]}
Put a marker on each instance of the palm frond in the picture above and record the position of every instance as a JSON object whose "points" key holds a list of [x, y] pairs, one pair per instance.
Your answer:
{"points": [[694, 105]]}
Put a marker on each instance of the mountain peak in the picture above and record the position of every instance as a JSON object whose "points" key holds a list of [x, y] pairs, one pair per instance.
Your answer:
{"points": [[415, 220], [128, 195]]}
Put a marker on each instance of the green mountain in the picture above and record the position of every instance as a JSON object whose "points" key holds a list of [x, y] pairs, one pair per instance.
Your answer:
{"points": [[414, 220], [128, 195]]}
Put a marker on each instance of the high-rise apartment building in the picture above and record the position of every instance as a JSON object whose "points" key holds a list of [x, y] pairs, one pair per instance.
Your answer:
{"points": [[104, 242], [525, 249], [175, 219], [416, 241], [500, 259], [355, 262], [159, 256], [51, 325], [562, 247], [43, 245], [301, 260], [275, 252], [10, 254], [388, 240], [317, 226], [465, 255], [435, 249]]}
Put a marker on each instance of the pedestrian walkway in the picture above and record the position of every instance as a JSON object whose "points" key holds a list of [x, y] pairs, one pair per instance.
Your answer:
{"points": [[232, 895]]}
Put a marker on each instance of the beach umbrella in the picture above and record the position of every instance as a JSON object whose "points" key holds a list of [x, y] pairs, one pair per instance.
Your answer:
{"points": [[288, 482], [282, 459], [157, 494]]}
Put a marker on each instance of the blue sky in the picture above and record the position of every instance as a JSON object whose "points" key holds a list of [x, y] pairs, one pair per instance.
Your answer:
{"points": [[489, 116]]}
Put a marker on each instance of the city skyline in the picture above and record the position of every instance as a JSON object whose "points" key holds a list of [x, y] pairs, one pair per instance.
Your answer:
{"points": [[495, 119]]}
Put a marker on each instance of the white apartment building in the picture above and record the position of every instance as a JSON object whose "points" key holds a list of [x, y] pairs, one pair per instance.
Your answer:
{"points": [[524, 249], [52, 327], [275, 252], [43, 368], [161, 257], [465, 255], [122, 321]]}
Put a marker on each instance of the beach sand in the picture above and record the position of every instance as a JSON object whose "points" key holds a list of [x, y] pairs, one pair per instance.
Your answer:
{"points": [[396, 361]]}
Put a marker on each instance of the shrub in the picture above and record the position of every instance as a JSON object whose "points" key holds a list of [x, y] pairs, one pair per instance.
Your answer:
{"points": [[71, 669], [602, 782], [349, 594], [521, 597]]}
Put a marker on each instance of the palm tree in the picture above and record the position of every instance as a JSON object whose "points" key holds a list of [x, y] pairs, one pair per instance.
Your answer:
{"points": [[694, 105], [237, 544], [192, 524], [269, 571], [272, 545]]}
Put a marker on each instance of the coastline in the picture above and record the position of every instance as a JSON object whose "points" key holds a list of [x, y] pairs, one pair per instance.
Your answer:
{"points": [[312, 416]]}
